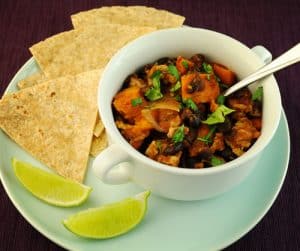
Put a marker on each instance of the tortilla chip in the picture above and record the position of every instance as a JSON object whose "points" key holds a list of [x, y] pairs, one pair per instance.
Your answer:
{"points": [[54, 121], [76, 51], [98, 144], [45, 51], [32, 80], [131, 15], [99, 127]]}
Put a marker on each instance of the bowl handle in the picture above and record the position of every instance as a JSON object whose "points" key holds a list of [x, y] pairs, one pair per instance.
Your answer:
{"points": [[111, 167], [263, 53]]}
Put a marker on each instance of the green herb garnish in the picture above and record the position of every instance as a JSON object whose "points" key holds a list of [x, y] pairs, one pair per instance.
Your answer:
{"points": [[178, 135], [173, 70], [218, 116], [215, 161], [156, 74], [176, 87], [178, 98], [185, 64], [258, 94], [154, 92], [156, 79], [206, 138], [191, 104], [158, 145], [136, 101], [221, 99], [223, 86], [207, 68]]}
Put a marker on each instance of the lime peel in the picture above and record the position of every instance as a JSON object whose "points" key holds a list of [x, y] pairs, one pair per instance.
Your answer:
{"points": [[109, 220], [49, 187]]}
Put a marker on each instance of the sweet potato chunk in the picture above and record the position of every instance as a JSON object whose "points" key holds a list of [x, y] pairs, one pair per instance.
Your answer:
{"points": [[201, 88], [123, 103], [227, 76], [166, 118], [136, 133], [183, 65]]}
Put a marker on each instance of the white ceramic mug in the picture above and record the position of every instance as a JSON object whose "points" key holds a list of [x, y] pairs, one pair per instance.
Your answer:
{"points": [[120, 162]]}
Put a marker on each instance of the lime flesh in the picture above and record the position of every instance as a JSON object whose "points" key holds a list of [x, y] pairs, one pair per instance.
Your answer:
{"points": [[50, 187], [109, 220]]}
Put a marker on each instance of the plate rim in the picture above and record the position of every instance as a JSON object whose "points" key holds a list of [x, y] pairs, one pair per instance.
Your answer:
{"points": [[278, 189], [48, 234]]}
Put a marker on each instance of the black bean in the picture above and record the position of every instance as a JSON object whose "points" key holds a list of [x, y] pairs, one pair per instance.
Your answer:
{"points": [[256, 109], [186, 112], [190, 162], [187, 161], [173, 148], [206, 154], [198, 60], [194, 120], [191, 118], [191, 136], [196, 85], [227, 154], [141, 72], [225, 127], [166, 60]]}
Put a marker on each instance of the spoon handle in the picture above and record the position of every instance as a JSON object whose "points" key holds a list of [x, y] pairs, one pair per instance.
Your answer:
{"points": [[290, 57]]}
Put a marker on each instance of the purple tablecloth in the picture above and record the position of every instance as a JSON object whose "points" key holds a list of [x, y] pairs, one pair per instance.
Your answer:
{"points": [[274, 24]]}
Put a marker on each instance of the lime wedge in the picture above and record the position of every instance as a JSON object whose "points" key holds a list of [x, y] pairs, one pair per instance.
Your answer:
{"points": [[50, 187], [109, 220]]}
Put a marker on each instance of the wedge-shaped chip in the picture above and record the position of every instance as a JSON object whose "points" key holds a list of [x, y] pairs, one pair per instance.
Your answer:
{"points": [[99, 127], [98, 144], [45, 51], [32, 80], [77, 51], [54, 121], [131, 15]]}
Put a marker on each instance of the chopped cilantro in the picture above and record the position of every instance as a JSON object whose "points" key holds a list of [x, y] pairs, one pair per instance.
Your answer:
{"points": [[158, 145], [178, 98], [215, 161], [176, 87], [156, 79], [154, 92], [136, 101], [185, 64], [258, 94], [221, 99], [223, 86], [178, 135], [207, 68], [156, 74], [191, 104], [218, 116], [173, 70], [207, 138]]}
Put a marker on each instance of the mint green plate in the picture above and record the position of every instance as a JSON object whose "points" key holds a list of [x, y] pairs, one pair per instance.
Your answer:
{"points": [[169, 225]]}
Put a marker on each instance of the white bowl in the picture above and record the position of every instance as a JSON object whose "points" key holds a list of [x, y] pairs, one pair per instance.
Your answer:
{"points": [[120, 162]]}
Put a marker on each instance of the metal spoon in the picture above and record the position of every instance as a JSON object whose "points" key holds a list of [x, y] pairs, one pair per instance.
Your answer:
{"points": [[290, 57]]}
